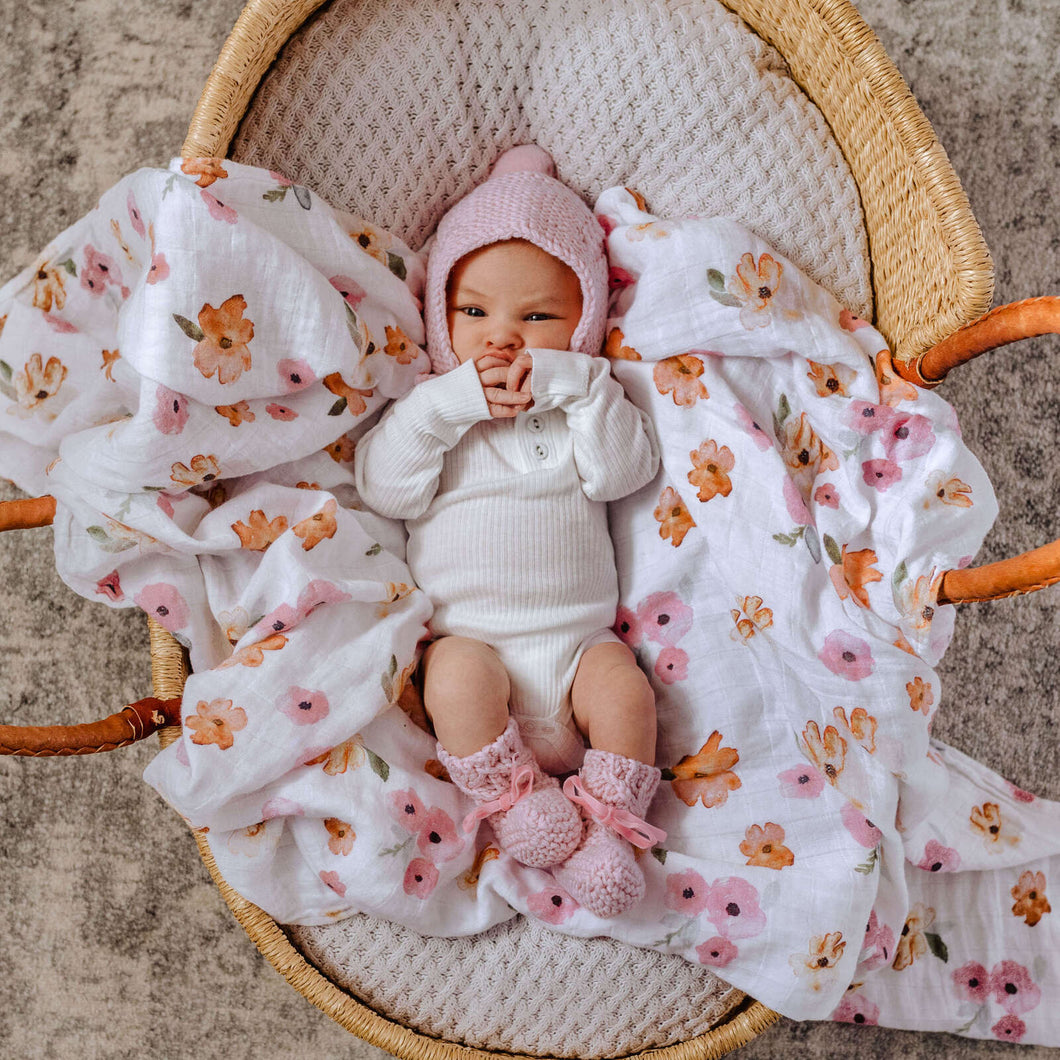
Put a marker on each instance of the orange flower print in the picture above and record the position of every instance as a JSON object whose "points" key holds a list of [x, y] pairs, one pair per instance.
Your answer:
{"points": [[986, 820], [110, 358], [236, 414], [855, 571], [639, 199], [49, 290], [710, 466], [819, 962], [805, 455], [342, 835], [903, 644], [340, 450], [224, 348], [469, 881], [893, 388], [647, 230], [616, 349], [948, 489], [751, 617], [396, 591], [317, 527], [827, 752], [921, 696], [353, 397], [259, 532], [215, 722], [207, 170], [345, 756], [912, 943], [706, 776], [400, 346], [763, 846], [754, 286], [672, 517], [371, 240], [39, 382], [829, 379], [680, 376], [917, 600], [1030, 898], [202, 469], [254, 654], [861, 726]]}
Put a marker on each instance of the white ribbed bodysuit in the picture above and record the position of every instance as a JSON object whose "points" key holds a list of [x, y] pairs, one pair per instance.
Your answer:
{"points": [[507, 521]]}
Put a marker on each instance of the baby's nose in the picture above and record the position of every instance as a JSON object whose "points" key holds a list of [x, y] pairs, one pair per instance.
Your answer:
{"points": [[505, 337]]}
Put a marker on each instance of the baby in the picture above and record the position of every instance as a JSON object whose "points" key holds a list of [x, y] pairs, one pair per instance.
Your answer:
{"points": [[500, 464]]}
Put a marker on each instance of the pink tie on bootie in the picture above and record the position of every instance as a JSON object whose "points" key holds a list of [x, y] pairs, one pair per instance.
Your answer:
{"points": [[532, 819], [614, 793]]}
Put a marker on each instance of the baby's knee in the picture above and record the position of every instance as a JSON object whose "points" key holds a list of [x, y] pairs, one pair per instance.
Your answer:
{"points": [[461, 667], [609, 674]]}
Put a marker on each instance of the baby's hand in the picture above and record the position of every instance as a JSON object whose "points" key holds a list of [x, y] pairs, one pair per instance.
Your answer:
{"points": [[505, 380]]}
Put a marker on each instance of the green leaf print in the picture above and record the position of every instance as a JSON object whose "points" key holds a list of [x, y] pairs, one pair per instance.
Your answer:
{"points": [[191, 329], [716, 279], [833, 550], [275, 195], [5, 382], [866, 867], [659, 853], [783, 409], [396, 265], [106, 542], [69, 265], [937, 946], [379, 767], [900, 574], [374, 550], [303, 197], [791, 539], [338, 408], [353, 326], [5, 371]]}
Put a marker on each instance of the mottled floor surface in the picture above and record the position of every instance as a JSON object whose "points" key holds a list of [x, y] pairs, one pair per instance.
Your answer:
{"points": [[116, 943]]}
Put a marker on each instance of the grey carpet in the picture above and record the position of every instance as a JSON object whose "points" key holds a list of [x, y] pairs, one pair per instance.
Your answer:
{"points": [[115, 943]]}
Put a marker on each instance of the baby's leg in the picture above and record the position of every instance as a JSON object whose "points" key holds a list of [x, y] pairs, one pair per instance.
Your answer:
{"points": [[613, 703], [465, 693]]}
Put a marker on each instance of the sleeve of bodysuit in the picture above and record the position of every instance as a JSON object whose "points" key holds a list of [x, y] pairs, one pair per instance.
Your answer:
{"points": [[615, 447], [398, 462]]}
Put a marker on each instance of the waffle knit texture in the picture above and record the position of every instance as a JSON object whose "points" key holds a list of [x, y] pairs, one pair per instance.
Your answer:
{"points": [[506, 520], [542, 828], [602, 874], [529, 205]]}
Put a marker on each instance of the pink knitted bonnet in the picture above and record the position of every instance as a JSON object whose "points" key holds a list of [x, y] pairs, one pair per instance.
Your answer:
{"points": [[520, 200]]}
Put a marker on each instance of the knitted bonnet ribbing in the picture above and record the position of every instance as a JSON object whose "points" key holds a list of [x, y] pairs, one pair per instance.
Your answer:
{"points": [[530, 205]]}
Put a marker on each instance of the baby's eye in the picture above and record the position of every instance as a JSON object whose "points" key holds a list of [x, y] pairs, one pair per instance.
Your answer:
{"points": [[537, 317], [471, 311]]}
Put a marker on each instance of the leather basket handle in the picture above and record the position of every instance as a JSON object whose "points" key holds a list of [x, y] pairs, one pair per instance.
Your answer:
{"points": [[131, 723], [1008, 323]]}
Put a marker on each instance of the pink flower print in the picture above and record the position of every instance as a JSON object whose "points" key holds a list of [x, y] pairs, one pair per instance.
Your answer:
{"points": [[686, 892], [796, 506], [421, 877], [280, 412], [437, 836], [64, 327], [171, 410], [664, 618], [618, 279], [159, 269], [318, 592], [164, 503], [1019, 794], [282, 619], [938, 858], [278, 806], [1009, 1029], [716, 952], [134, 216], [218, 210], [164, 604], [867, 418], [758, 436], [552, 905], [972, 982], [878, 948], [1013, 988], [908, 437], [801, 782], [628, 627], [280, 179], [99, 270], [304, 706], [672, 665], [855, 1008], [331, 879], [847, 656], [608, 224], [849, 322], [408, 810], [881, 474], [732, 907], [350, 289], [827, 496], [110, 586], [295, 374], [859, 826]]}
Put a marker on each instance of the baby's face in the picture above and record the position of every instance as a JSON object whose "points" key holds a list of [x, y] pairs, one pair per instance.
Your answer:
{"points": [[511, 296]]}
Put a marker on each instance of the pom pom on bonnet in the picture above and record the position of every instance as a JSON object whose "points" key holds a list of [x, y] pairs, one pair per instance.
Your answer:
{"points": [[521, 200]]}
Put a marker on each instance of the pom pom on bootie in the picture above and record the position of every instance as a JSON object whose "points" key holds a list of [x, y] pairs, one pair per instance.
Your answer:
{"points": [[614, 793], [532, 819]]}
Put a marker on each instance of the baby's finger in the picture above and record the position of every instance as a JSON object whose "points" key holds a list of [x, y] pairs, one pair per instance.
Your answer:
{"points": [[491, 360], [502, 412], [493, 376], [498, 396]]}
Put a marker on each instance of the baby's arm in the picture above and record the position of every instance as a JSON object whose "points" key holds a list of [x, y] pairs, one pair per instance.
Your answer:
{"points": [[615, 448], [398, 462]]}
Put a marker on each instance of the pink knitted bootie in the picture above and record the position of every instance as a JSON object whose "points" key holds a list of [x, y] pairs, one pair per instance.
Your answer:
{"points": [[531, 818], [614, 793]]}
